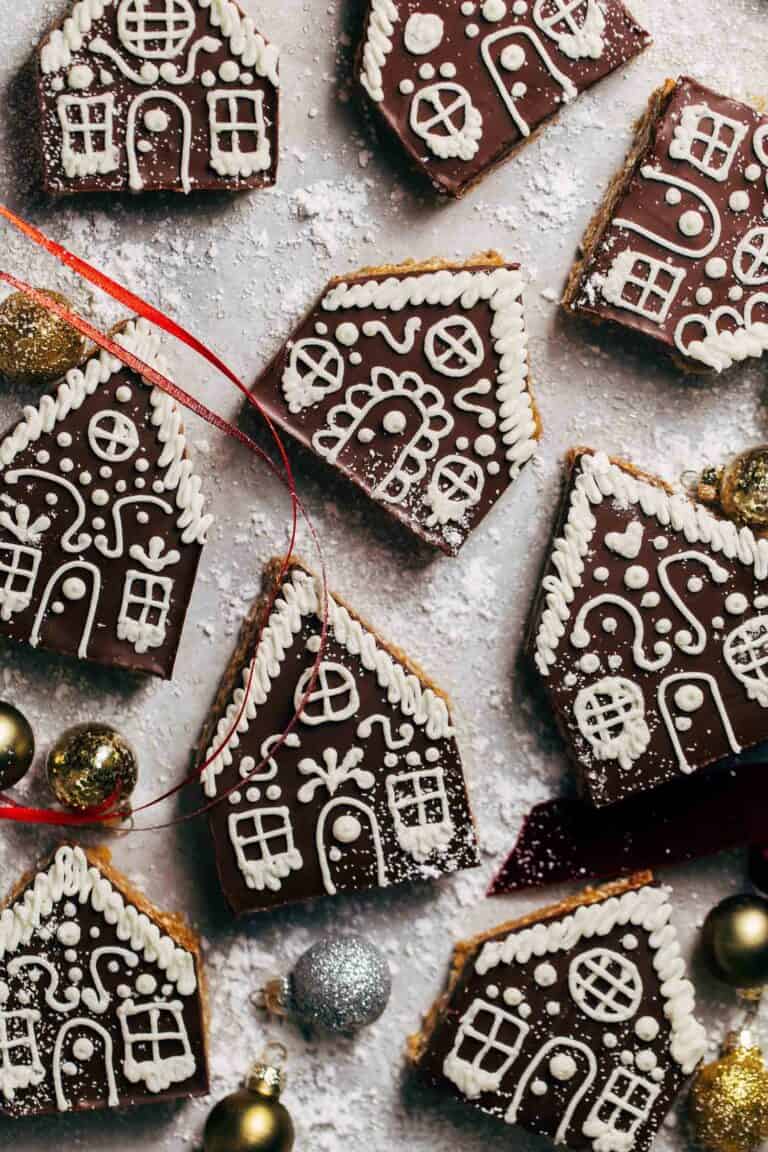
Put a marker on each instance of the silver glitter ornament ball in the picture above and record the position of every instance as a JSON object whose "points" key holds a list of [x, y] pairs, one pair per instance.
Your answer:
{"points": [[341, 984]]}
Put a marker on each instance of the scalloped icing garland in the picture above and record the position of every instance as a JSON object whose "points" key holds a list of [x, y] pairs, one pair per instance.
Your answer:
{"points": [[378, 45], [648, 908], [139, 338], [245, 41], [598, 479], [70, 875], [300, 597], [502, 289]]}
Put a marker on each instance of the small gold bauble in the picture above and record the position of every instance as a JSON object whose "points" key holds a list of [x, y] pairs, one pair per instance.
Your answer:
{"points": [[89, 764], [253, 1119], [17, 745], [36, 347], [729, 1102], [743, 488], [736, 934]]}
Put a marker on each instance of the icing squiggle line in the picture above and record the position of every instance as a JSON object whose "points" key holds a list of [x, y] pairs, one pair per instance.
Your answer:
{"points": [[648, 908], [597, 480], [299, 598]]}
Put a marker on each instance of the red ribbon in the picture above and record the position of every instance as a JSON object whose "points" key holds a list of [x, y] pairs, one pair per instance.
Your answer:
{"points": [[105, 813]]}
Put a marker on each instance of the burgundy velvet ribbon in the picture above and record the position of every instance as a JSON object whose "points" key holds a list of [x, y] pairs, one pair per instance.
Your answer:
{"points": [[566, 840]]}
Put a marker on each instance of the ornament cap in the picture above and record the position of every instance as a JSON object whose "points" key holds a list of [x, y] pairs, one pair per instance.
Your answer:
{"points": [[267, 1075]]}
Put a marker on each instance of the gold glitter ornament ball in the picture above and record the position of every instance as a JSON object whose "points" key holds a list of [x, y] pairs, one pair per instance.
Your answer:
{"points": [[17, 745], [736, 937], [743, 488], [253, 1119], [88, 764], [729, 1102], [36, 347]]}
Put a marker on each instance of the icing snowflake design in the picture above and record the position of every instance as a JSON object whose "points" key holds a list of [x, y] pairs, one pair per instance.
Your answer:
{"points": [[668, 671], [92, 1004], [546, 1012], [695, 274], [136, 92]]}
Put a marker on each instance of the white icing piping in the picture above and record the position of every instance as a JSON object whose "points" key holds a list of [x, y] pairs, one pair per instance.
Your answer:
{"points": [[70, 876], [597, 480], [140, 339], [648, 908], [502, 288], [299, 597], [240, 31], [378, 45]]}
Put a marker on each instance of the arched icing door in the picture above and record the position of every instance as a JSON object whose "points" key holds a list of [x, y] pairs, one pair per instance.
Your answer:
{"points": [[568, 1069], [158, 141], [72, 591], [83, 1049], [349, 846]]}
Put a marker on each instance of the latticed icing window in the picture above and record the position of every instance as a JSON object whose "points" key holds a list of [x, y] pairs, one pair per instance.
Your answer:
{"points": [[157, 1049], [643, 284], [88, 144], [239, 143], [487, 1044], [419, 806], [113, 436], [18, 572], [605, 985], [155, 29], [144, 611], [20, 1064], [624, 1104], [264, 846], [707, 140]]}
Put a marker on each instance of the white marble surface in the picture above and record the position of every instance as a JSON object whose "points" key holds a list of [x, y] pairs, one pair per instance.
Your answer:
{"points": [[239, 271]]}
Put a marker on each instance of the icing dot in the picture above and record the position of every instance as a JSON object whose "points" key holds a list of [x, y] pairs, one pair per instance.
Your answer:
{"points": [[229, 71], [493, 468], [494, 10], [689, 698], [539, 1087], [208, 79], [513, 997], [492, 991], [739, 201], [614, 662], [51, 499], [423, 33], [246, 78], [413, 759], [432, 755], [525, 1011], [274, 792], [691, 223], [630, 941], [390, 760], [98, 523], [636, 577], [650, 600], [407, 87], [347, 334], [601, 575], [660, 543], [149, 72], [716, 268], [695, 584], [683, 638], [123, 991], [736, 603], [736, 292], [471, 31], [142, 517], [82, 1049], [68, 934], [94, 933], [347, 829], [610, 624], [120, 486], [68, 1068], [663, 626], [703, 295], [519, 90], [321, 328], [718, 622], [123, 394], [646, 1060], [65, 464], [113, 966], [74, 588], [253, 795], [57, 607], [512, 57], [235, 797], [589, 663], [553, 1007], [545, 975], [647, 1028], [334, 854], [657, 1074], [562, 1066], [610, 1040], [142, 464], [146, 985], [100, 497], [520, 7], [569, 679], [85, 478], [395, 423], [627, 1057], [75, 975], [486, 420], [70, 955], [467, 8], [752, 172], [683, 723], [427, 71], [80, 76], [448, 70], [673, 196], [355, 358], [462, 443], [366, 435], [485, 446], [156, 120], [43, 457]]}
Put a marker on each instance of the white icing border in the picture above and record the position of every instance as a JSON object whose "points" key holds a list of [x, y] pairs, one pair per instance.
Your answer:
{"points": [[301, 596], [502, 288], [598, 479], [382, 17], [648, 908], [143, 341], [243, 38], [70, 876]]}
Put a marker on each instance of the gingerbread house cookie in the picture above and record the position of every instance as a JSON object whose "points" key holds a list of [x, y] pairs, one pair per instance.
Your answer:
{"points": [[412, 380], [461, 84], [366, 790], [143, 95], [650, 632], [102, 519], [679, 249], [100, 997], [576, 1022]]}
